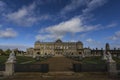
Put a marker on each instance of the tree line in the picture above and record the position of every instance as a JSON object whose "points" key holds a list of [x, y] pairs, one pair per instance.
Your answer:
{"points": [[8, 51]]}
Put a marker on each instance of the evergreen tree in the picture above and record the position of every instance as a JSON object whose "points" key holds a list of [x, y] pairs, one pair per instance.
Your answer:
{"points": [[8, 51], [2, 52]]}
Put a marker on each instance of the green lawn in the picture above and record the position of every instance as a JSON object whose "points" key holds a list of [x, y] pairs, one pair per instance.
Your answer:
{"points": [[30, 60], [21, 60], [116, 59], [93, 60], [97, 60], [3, 59], [24, 59]]}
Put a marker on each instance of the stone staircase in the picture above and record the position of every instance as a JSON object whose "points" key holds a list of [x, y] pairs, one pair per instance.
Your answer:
{"points": [[59, 64]]}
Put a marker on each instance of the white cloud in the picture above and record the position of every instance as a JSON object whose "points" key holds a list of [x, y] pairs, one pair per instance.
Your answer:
{"points": [[73, 26], [0, 26], [8, 33], [14, 46], [2, 4], [48, 36], [94, 43], [115, 45], [73, 40], [67, 26], [116, 36], [108, 26], [89, 4], [90, 40], [2, 7], [93, 4], [117, 33], [113, 38], [26, 15], [73, 5], [112, 25]]}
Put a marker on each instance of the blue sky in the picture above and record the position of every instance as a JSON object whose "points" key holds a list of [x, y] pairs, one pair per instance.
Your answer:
{"points": [[94, 22]]}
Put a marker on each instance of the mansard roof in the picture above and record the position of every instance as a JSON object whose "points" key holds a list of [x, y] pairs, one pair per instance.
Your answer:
{"points": [[58, 41], [37, 42], [79, 42]]}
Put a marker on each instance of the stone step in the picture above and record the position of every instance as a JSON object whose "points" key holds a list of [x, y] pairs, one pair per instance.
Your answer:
{"points": [[1, 73], [59, 64], [37, 74], [61, 73]]}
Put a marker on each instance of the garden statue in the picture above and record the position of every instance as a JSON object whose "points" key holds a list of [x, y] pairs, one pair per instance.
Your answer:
{"points": [[109, 56], [83, 55], [12, 57], [104, 56]]}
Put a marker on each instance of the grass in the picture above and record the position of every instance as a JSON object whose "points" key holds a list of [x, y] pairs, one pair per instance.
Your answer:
{"points": [[21, 59], [3, 59], [93, 60], [30, 60], [116, 59], [97, 60]]}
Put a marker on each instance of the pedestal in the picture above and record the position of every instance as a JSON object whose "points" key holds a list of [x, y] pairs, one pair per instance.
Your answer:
{"points": [[9, 68], [112, 68]]}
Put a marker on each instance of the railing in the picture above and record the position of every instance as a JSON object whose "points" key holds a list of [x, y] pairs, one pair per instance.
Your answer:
{"points": [[118, 66], [2, 67], [31, 68], [77, 67]]}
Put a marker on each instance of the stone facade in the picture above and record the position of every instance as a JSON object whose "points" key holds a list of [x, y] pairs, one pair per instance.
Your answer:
{"points": [[115, 52], [87, 51], [58, 47], [30, 51]]}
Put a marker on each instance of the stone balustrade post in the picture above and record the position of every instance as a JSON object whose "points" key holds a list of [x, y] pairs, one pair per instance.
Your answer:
{"points": [[112, 69], [9, 65], [9, 68]]}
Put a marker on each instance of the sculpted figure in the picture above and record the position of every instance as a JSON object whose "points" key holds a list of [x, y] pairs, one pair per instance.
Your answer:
{"points": [[11, 57], [104, 56]]}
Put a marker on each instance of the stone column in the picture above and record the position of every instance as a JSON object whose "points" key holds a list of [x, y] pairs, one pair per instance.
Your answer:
{"points": [[112, 69], [34, 55], [9, 68]]}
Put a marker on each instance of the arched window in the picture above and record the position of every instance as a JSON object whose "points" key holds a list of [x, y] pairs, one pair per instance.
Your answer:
{"points": [[38, 53]]}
